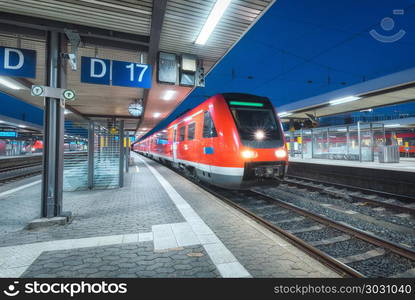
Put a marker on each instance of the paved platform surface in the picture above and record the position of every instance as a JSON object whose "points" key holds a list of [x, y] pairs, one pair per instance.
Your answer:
{"points": [[158, 225], [405, 164]]}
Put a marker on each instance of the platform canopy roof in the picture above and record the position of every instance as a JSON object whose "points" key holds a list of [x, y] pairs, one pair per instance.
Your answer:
{"points": [[130, 30], [383, 91]]}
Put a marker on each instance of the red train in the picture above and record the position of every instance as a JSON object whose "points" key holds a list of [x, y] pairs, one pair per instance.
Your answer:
{"points": [[230, 140]]}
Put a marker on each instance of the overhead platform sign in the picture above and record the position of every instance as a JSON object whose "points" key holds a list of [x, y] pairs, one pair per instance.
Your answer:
{"points": [[17, 62], [116, 73]]}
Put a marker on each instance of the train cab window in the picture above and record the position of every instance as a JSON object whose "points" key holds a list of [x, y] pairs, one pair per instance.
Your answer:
{"points": [[251, 121], [191, 128], [209, 129], [182, 131]]}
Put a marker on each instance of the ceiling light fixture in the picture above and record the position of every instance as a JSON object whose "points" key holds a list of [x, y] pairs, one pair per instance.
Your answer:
{"points": [[211, 22], [168, 95], [344, 100], [156, 114], [11, 84]]}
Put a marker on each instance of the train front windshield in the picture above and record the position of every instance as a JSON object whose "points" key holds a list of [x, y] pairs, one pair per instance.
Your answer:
{"points": [[257, 127]]}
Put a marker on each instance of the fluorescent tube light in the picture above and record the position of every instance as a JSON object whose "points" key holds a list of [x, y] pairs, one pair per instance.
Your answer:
{"points": [[344, 100], [213, 19], [11, 84]]}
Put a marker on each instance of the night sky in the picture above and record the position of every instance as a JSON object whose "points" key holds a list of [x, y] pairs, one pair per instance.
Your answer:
{"points": [[304, 48]]}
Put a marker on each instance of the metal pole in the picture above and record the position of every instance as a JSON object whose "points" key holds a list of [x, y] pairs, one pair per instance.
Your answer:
{"points": [[127, 157], [121, 137], [328, 143], [302, 145], [91, 146], [372, 142], [52, 176], [312, 143], [347, 140], [291, 143], [359, 142]]}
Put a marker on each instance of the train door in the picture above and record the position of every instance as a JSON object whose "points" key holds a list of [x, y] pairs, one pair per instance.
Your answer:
{"points": [[208, 134], [174, 144]]}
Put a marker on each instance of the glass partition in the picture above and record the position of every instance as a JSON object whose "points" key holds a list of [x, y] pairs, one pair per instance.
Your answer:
{"points": [[360, 142]]}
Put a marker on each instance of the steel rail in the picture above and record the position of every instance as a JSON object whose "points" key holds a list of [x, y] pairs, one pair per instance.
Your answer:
{"points": [[401, 197], [341, 268], [358, 233], [323, 190]]}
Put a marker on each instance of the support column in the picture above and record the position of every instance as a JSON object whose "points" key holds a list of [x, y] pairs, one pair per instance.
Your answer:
{"points": [[312, 143], [302, 145], [347, 141], [372, 143], [122, 156], [91, 146], [52, 180], [127, 156], [359, 141], [328, 142]]}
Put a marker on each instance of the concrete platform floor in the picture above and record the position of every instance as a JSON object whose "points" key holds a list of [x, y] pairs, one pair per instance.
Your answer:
{"points": [[158, 225]]}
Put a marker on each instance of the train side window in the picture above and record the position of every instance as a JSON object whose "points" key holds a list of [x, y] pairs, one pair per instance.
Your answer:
{"points": [[182, 131], [191, 128], [209, 129]]}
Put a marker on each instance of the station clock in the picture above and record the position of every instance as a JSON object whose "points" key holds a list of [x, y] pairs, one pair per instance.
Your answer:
{"points": [[136, 108]]}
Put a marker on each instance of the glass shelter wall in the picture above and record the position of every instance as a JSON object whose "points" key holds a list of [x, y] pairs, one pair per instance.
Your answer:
{"points": [[360, 142]]}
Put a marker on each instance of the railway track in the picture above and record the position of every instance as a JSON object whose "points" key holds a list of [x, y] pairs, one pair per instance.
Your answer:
{"points": [[14, 169], [317, 235], [350, 251], [16, 172], [399, 203]]}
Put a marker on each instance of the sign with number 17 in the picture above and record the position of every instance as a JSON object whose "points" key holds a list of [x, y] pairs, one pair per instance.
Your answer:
{"points": [[131, 74], [121, 73]]}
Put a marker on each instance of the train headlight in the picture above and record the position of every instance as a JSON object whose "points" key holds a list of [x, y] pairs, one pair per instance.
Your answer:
{"points": [[281, 153], [259, 135], [249, 154]]}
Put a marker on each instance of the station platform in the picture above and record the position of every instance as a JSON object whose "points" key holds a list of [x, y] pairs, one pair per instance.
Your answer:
{"points": [[394, 178], [158, 225], [405, 164]]}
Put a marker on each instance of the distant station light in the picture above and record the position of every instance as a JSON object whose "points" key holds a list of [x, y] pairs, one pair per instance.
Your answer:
{"points": [[211, 22], [344, 100], [284, 114]]}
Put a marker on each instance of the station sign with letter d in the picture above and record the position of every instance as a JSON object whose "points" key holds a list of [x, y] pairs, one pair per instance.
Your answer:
{"points": [[17, 62], [114, 72]]}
